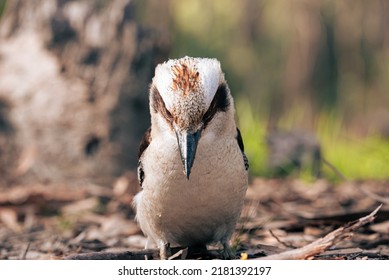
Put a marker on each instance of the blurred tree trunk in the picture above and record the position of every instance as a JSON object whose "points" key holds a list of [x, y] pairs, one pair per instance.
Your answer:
{"points": [[74, 80]]}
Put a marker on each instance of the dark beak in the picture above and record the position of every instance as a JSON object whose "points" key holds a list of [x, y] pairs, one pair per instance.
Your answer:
{"points": [[187, 142]]}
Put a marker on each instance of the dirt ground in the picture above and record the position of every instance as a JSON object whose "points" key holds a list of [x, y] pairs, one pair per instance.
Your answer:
{"points": [[59, 220]]}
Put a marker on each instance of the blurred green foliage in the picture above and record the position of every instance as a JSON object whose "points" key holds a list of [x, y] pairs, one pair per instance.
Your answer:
{"points": [[320, 65], [2, 6], [357, 157], [354, 156]]}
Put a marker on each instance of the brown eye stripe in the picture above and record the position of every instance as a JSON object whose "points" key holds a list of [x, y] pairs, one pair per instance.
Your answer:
{"points": [[159, 105], [145, 142], [219, 103]]}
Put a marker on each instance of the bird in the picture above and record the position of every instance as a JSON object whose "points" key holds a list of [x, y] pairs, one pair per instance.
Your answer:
{"points": [[192, 168]]}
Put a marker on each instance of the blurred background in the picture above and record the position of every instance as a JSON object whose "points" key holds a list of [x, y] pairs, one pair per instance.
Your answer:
{"points": [[309, 78]]}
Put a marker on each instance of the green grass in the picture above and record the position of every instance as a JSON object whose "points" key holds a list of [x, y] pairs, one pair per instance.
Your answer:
{"points": [[358, 158]]}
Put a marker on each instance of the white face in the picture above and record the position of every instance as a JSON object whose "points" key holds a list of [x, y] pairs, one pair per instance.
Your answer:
{"points": [[188, 86]]}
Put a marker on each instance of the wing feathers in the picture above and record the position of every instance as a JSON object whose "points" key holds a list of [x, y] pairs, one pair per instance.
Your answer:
{"points": [[241, 146], [145, 142]]}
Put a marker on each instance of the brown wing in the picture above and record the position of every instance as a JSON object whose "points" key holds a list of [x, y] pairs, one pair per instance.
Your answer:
{"points": [[241, 146], [145, 142]]}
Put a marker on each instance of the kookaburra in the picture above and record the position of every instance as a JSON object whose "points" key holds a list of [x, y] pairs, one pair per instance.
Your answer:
{"points": [[192, 167]]}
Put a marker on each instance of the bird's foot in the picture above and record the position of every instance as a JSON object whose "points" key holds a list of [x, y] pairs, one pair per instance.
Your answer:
{"points": [[228, 253]]}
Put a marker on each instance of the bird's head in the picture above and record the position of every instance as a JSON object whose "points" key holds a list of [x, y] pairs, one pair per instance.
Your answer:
{"points": [[187, 93]]}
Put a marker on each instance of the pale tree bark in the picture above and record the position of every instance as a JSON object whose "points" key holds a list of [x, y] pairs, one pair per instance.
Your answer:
{"points": [[74, 81]]}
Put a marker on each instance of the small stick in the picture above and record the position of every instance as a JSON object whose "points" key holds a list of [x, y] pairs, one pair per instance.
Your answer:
{"points": [[325, 242], [370, 194], [183, 253], [374, 196], [23, 257], [280, 241]]}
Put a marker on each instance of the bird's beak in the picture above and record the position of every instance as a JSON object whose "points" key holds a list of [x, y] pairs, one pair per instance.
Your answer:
{"points": [[187, 142]]}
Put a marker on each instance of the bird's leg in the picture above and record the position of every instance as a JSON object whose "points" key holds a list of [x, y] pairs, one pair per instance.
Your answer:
{"points": [[228, 253], [164, 251], [148, 245]]}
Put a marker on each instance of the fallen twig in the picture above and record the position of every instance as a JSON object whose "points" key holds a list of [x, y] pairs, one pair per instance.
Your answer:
{"points": [[183, 253], [23, 256], [325, 242], [372, 195], [280, 241]]}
